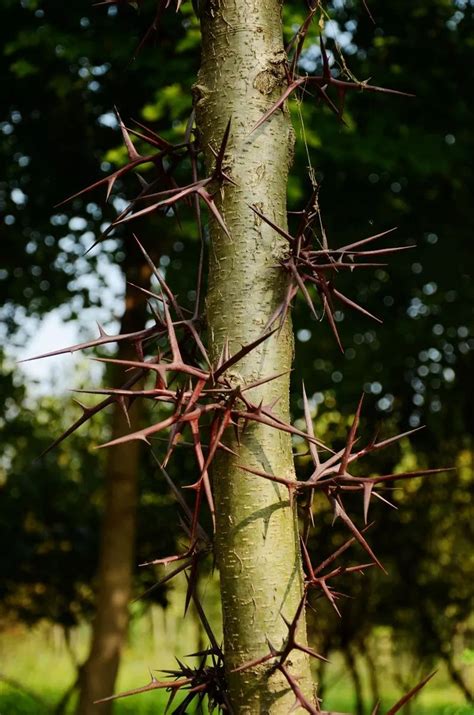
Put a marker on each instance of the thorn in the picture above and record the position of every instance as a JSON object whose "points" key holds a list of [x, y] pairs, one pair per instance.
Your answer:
{"points": [[368, 487], [398, 706]]}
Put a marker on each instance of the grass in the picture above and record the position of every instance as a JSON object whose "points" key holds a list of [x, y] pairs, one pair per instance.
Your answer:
{"points": [[40, 662]]}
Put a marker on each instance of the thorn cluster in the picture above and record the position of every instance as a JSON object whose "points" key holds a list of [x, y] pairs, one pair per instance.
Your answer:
{"points": [[324, 83], [309, 262], [165, 159]]}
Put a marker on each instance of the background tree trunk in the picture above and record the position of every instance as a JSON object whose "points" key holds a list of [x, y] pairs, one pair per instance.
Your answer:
{"points": [[457, 677], [117, 549], [241, 75], [356, 680]]}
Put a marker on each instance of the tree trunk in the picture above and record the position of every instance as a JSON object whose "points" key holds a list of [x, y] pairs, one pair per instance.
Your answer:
{"points": [[356, 681], [99, 672], [366, 653], [457, 677], [257, 543]]}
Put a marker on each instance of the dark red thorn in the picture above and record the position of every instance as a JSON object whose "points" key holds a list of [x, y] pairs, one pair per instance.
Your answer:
{"points": [[244, 350], [312, 653], [291, 643], [351, 437], [378, 252], [320, 472], [163, 285], [347, 248], [175, 351], [253, 663], [310, 430], [170, 559], [335, 555], [293, 85], [276, 228], [156, 393], [164, 203], [328, 101], [215, 437], [83, 407], [103, 339], [224, 354], [374, 446], [150, 139], [263, 381], [153, 685], [217, 173], [367, 9], [289, 483], [368, 487], [204, 473], [209, 201], [192, 580], [408, 475], [163, 580], [146, 432], [91, 411], [206, 625], [299, 37], [123, 404], [365, 87], [307, 560], [386, 501], [328, 312], [351, 304], [338, 265], [341, 513], [151, 29], [133, 155], [282, 309], [162, 143], [325, 60], [160, 368], [267, 411], [342, 100], [297, 691], [328, 593], [398, 706], [109, 180], [303, 289]]}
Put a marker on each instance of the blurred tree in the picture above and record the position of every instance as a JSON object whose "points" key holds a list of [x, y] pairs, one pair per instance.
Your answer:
{"points": [[48, 567]]}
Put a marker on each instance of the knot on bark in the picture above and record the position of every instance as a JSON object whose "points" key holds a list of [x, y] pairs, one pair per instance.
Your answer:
{"points": [[199, 93], [270, 78]]}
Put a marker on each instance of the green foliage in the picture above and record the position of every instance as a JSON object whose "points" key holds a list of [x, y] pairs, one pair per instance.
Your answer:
{"points": [[53, 506]]}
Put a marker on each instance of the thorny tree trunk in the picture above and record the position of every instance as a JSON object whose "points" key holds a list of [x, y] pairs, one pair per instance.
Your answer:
{"points": [[117, 548], [241, 75]]}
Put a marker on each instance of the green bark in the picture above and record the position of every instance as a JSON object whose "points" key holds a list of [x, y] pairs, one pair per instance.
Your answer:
{"points": [[241, 75]]}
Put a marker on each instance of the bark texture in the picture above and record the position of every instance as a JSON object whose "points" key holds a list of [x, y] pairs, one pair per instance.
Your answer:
{"points": [[241, 75], [117, 548]]}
